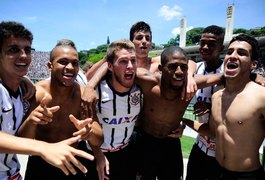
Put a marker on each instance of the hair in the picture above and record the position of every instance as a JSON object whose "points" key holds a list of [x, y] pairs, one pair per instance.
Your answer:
{"points": [[66, 42], [255, 53], [12, 28], [62, 43], [168, 52], [116, 46], [216, 30], [139, 26]]}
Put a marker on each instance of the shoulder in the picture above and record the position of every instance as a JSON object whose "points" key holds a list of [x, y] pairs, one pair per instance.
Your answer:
{"points": [[155, 59]]}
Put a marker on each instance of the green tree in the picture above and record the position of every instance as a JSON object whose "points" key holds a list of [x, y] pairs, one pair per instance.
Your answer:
{"points": [[194, 36]]}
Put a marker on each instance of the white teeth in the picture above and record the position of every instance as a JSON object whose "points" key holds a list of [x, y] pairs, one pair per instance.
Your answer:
{"points": [[68, 74], [21, 64]]}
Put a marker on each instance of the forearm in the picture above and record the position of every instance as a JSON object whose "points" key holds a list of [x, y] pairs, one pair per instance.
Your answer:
{"points": [[208, 80], [96, 137], [27, 129], [201, 128], [18, 145], [99, 74]]}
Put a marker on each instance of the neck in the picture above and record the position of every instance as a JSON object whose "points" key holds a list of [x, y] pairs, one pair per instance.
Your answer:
{"points": [[213, 64], [169, 93], [235, 85], [143, 62]]}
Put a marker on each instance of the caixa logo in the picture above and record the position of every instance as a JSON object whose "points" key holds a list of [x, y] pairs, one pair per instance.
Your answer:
{"points": [[121, 120]]}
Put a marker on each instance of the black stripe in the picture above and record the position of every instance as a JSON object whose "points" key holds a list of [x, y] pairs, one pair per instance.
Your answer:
{"points": [[112, 137], [14, 117], [125, 135], [5, 163], [128, 104], [99, 97], [1, 121], [114, 104]]}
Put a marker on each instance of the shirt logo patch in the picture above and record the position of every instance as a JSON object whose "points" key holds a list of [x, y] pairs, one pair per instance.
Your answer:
{"points": [[135, 99]]}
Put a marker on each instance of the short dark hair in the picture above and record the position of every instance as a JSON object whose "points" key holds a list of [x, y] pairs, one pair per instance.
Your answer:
{"points": [[139, 26], [216, 30], [12, 28], [62, 43], [250, 40], [170, 51]]}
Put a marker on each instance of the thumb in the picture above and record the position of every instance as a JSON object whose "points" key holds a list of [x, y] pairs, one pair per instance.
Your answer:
{"points": [[44, 101]]}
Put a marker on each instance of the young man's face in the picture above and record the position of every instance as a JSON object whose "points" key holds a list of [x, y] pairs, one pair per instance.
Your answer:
{"points": [[142, 41], [123, 70], [238, 59], [175, 70], [65, 65], [15, 57], [210, 47]]}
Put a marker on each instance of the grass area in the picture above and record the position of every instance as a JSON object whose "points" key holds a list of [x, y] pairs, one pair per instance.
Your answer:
{"points": [[186, 145]]}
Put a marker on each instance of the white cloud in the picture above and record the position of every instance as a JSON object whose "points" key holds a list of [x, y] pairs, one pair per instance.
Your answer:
{"points": [[176, 30], [169, 13], [30, 18]]}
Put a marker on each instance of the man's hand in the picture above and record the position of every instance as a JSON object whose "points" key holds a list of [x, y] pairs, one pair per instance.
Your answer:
{"points": [[84, 127], [42, 114], [190, 89], [177, 133], [62, 155], [102, 165], [201, 108], [89, 100]]}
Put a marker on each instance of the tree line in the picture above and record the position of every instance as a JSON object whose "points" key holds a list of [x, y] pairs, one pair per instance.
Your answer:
{"points": [[193, 37]]}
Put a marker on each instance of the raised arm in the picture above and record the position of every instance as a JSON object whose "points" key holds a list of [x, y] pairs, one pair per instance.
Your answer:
{"points": [[90, 73], [208, 80]]}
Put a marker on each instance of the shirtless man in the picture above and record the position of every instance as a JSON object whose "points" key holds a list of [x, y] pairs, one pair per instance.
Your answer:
{"points": [[15, 58], [162, 112], [61, 91], [238, 113]]}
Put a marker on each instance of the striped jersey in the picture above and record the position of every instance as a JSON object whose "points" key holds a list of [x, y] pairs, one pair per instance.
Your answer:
{"points": [[205, 143], [117, 114], [11, 114]]}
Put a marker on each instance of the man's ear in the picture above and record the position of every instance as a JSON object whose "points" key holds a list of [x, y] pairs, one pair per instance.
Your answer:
{"points": [[160, 67], [254, 65], [110, 67], [49, 64]]}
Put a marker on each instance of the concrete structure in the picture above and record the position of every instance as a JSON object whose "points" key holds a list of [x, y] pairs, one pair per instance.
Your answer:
{"points": [[229, 22], [182, 36]]}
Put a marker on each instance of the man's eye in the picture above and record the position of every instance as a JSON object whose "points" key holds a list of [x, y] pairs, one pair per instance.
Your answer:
{"points": [[139, 37], [75, 63], [63, 62], [14, 50], [184, 66]]}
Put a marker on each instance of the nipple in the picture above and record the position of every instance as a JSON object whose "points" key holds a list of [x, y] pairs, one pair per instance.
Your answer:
{"points": [[240, 122]]}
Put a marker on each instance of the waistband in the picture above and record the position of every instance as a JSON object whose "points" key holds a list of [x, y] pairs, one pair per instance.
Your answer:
{"points": [[207, 147], [16, 176], [114, 149]]}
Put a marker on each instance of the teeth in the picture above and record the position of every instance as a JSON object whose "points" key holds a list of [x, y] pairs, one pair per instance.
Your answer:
{"points": [[21, 64], [68, 74]]}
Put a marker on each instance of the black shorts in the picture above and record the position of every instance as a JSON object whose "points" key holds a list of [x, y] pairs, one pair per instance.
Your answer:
{"points": [[159, 158], [122, 164], [201, 166], [253, 175], [37, 168]]}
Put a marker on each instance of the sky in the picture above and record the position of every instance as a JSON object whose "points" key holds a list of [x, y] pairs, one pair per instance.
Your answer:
{"points": [[89, 22]]}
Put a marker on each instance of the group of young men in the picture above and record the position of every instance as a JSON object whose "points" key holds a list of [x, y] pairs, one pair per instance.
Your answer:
{"points": [[139, 109]]}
